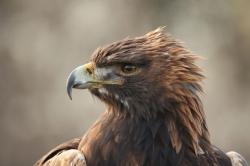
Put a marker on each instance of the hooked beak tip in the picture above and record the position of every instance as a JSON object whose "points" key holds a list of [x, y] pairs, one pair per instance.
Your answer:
{"points": [[70, 84], [70, 94]]}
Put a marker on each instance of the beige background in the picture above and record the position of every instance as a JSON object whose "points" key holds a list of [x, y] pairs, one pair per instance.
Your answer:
{"points": [[41, 41]]}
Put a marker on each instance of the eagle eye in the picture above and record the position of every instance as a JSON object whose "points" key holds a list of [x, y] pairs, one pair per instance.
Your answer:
{"points": [[128, 69]]}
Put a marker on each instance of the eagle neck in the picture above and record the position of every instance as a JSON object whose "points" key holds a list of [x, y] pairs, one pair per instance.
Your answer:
{"points": [[182, 115]]}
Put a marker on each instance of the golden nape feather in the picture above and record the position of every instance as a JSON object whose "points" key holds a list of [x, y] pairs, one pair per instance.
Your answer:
{"points": [[154, 117]]}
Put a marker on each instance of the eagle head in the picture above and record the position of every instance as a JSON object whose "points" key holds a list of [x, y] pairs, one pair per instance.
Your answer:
{"points": [[142, 76]]}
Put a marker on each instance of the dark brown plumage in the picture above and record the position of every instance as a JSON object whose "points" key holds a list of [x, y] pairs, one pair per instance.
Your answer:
{"points": [[154, 115]]}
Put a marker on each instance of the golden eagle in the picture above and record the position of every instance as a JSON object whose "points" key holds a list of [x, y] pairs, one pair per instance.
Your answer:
{"points": [[154, 117]]}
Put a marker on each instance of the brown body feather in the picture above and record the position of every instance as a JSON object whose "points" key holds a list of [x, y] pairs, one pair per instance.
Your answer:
{"points": [[157, 118]]}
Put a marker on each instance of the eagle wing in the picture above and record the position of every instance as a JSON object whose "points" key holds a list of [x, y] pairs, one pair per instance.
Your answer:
{"points": [[64, 155]]}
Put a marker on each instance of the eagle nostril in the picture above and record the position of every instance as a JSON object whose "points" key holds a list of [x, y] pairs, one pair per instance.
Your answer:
{"points": [[89, 71]]}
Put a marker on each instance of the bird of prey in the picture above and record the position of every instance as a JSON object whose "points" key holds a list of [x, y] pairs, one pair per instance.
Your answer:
{"points": [[154, 117]]}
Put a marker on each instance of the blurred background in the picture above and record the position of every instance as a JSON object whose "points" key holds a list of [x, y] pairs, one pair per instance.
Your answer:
{"points": [[42, 41]]}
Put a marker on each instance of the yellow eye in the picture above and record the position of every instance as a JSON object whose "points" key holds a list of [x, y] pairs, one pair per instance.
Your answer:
{"points": [[128, 69]]}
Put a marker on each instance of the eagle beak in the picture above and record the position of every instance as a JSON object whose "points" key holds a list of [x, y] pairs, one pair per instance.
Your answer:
{"points": [[81, 77], [87, 77]]}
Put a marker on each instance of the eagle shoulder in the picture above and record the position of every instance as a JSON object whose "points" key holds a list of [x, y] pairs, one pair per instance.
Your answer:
{"points": [[63, 155], [237, 159]]}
